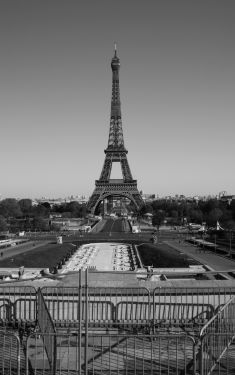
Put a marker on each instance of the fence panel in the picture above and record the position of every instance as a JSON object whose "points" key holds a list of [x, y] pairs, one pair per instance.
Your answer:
{"points": [[13, 293], [223, 320], [213, 296], [130, 306], [67, 354], [47, 328], [217, 354], [141, 354], [62, 302], [25, 309], [217, 336], [188, 308], [101, 306], [12, 360], [115, 354], [17, 303]]}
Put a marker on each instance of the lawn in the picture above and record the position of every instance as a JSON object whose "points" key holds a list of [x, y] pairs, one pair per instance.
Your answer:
{"points": [[43, 257], [49, 255], [161, 256]]}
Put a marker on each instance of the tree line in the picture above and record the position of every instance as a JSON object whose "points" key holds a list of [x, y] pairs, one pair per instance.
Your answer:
{"points": [[22, 215], [184, 212], [18, 215]]}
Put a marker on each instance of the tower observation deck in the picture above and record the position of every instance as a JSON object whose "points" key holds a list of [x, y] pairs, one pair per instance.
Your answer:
{"points": [[115, 152]]}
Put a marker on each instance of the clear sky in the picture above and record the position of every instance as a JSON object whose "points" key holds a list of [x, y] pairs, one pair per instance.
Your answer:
{"points": [[177, 82]]}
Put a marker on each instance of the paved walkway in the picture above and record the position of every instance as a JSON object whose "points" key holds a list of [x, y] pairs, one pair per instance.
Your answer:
{"points": [[208, 258], [106, 256]]}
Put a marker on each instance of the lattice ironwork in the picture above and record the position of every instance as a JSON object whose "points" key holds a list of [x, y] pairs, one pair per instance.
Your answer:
{"points": [[115, 152]]}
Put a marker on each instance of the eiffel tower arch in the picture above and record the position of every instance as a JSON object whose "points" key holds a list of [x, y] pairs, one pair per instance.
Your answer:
{"points": [[116, 152]]}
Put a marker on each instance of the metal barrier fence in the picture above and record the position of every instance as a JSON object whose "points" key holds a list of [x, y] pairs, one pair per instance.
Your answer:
{"points": [[100, 330], [12, 359], [217, 354], [187, 309], [100, 307], [223, 320], [214, 296], [218, 339], [18, 305], [115, 354], [118, 354], [47, 328]]}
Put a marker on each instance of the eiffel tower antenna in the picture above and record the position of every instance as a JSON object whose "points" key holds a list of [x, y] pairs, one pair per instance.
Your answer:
{"points": [[115, 152]]}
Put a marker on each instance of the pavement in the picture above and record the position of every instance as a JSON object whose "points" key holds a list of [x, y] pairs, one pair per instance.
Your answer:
{"points": [[215, 262], [211, 260]]}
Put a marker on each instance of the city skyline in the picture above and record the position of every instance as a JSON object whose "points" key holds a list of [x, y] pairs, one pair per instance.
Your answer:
{"points": [[177, 87]]}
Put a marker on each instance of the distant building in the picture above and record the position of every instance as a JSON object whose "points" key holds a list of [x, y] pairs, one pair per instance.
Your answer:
{"points": [[82, 199], [227, 198], [65, 224], [55, 215], [148, 198]]}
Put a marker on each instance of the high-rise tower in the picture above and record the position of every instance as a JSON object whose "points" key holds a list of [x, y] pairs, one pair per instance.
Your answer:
{"points": [[115, 152]]}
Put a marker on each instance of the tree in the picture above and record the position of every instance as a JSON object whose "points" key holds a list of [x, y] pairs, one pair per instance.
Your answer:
{"points": [[9, 207], [74, 208], [40, 210], [83, 210], [26, 206], [55, 227], [158, 218], [174, 214], [147, 208], [214, 215], [196, 215], [183, 210], [46, 205], [226, 218], [230, 225], [173, 217], [232, 208], [3, 224], [41, 224], [208, 206]]}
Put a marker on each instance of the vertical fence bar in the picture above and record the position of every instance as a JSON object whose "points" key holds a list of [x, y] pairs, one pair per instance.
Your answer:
{"points": [[18, 357], [86, 319], [80, 323]]}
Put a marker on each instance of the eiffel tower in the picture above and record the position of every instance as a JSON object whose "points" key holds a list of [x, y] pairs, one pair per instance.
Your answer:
{"points": [[115, 152]]}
